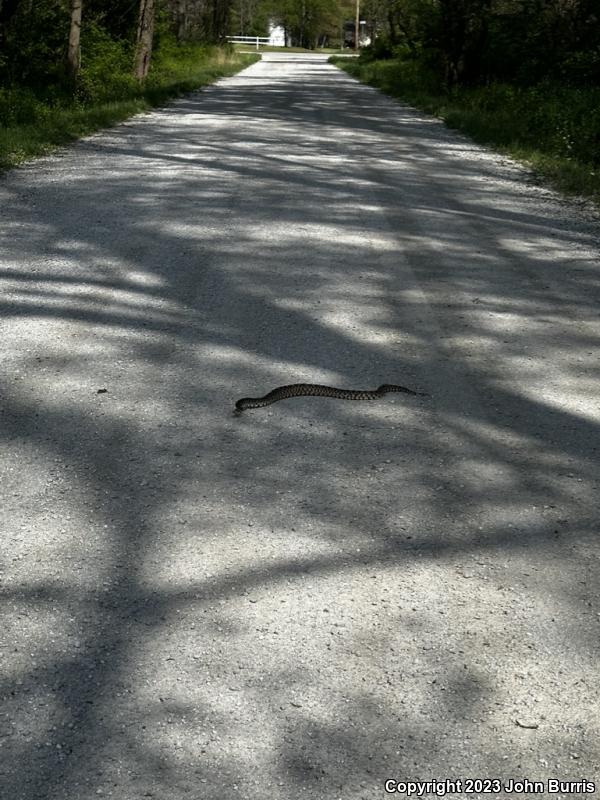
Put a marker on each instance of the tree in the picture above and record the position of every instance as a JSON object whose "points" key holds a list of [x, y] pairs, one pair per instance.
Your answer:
{"points": [[471, 42], [463, 34], [200, 20], [144, 38], [8, 9], [308, 22], [250, 17], [74, 47]]}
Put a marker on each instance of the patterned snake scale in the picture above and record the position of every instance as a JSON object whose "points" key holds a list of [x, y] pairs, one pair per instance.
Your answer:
{"points": [[316, 390]]}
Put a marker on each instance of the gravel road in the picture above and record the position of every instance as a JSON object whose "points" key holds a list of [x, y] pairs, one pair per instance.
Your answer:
{"points": [[322, 595]]}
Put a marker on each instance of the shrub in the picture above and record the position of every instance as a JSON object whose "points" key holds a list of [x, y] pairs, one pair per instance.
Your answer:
{"points": [[555, 126], [106, 67]]}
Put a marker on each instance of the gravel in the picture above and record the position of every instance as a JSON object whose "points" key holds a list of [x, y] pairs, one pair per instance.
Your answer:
{"points": [[321, 595]]}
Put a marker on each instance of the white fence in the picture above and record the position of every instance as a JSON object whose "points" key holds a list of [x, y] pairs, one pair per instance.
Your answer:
{"points": [[256, 40]]}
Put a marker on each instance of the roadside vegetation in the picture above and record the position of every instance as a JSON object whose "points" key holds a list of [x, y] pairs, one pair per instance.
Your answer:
{"points": [[523, 77], [53, 91]]}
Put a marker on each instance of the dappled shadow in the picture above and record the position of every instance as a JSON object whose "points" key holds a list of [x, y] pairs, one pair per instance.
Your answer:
{"points": [[319, 595]]}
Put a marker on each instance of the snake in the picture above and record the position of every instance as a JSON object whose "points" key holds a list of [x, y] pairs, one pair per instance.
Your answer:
{"points": [[316, 390]]}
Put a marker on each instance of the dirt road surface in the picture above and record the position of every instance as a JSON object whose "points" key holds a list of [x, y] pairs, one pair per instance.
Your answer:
{"points": [[322, 595]]}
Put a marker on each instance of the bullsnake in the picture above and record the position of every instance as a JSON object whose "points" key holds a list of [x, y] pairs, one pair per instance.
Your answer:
{"points": [[316, 390]]}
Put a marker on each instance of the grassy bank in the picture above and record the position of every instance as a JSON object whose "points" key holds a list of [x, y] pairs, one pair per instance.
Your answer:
{"points": [[553, 128], [34, 122]]}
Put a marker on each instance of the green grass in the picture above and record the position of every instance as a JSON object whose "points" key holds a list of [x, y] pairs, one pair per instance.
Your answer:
{"points": [[31, 125], [555, 129]]}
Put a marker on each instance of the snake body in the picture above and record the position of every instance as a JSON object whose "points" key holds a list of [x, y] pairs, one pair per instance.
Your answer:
{"points": [[316, 390]]}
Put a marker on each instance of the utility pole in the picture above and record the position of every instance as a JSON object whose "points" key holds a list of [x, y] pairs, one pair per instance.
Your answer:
{"points": [[357, 25]]}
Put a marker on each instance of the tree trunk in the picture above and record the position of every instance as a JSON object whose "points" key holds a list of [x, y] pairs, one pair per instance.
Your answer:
{"points": [[145, 32], [242, 18], [74, 47], [8, 9], [182, 20]]}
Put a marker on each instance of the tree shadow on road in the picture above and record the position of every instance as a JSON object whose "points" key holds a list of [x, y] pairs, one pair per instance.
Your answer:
{"points": [[320, 595]]}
